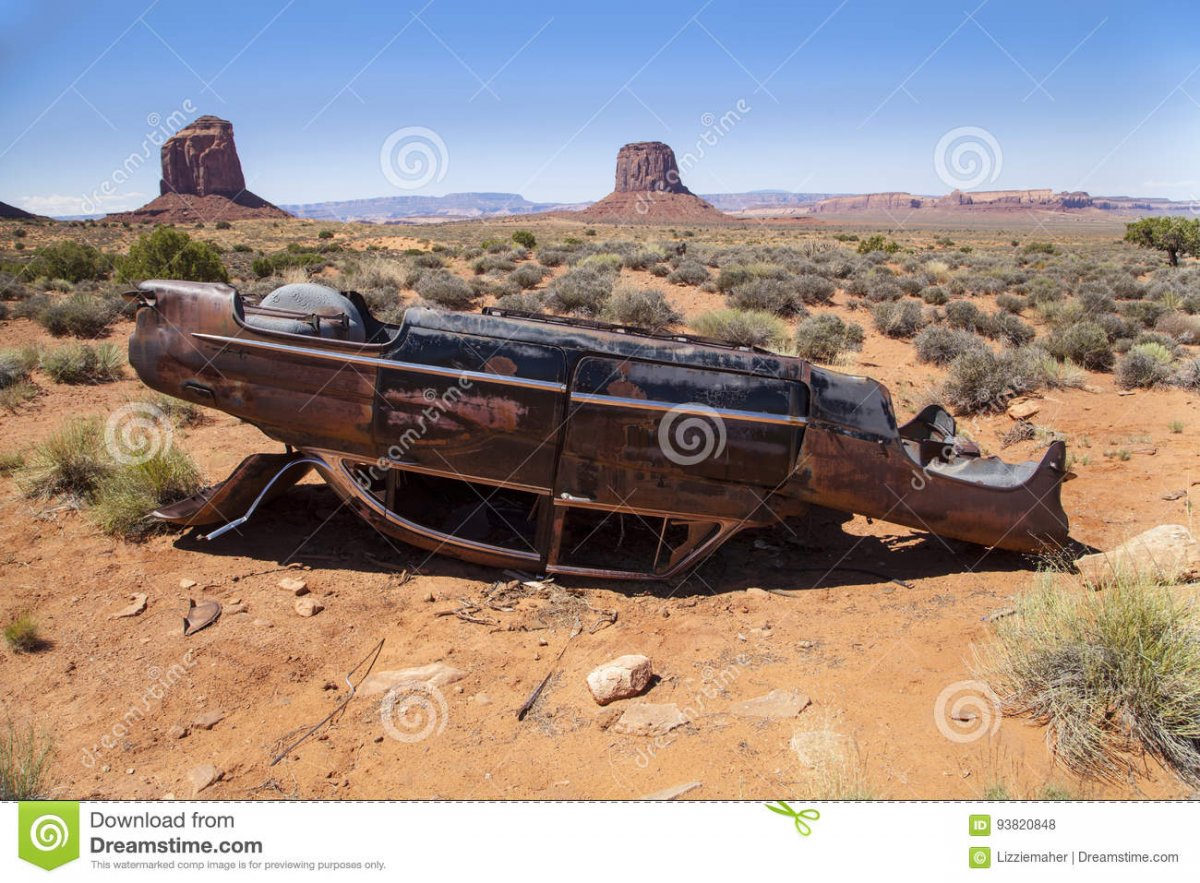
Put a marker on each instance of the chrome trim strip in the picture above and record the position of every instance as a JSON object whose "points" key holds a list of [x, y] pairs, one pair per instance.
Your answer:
{"points": [[683, 408], [392, 364]]}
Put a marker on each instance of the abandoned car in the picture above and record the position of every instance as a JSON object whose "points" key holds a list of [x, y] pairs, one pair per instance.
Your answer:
{"points": [[559, 445]]}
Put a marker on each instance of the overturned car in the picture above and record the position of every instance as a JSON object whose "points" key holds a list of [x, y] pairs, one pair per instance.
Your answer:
{"points": [[559, 445]]}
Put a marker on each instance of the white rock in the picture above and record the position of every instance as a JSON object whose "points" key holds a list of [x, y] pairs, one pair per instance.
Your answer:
{"points": [[776, 705], [137, 606], [308, 606], [620, 678], [1167, 553], [650, 719], [203, 776], [295, 586], [436, 674]]}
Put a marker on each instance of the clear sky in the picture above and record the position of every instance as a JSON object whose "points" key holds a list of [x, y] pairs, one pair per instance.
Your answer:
{"points": [[536, 97]]}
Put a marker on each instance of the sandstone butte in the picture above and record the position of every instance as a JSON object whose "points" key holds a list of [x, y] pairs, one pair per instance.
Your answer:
{"points": [[649, 190]]}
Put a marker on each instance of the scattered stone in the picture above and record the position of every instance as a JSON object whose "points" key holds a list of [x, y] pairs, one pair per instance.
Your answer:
{"points": [[178, 732], [481, 699], [308, 606], [436, 674], [237, 607], [208, 720], [620, 678], [672, 793], [1171, 496], [186, 584], [297, 587], [429, 597], [999, 614], [264, 623], [1023, 409], [776, 705], [757, 591], [606, 719], [1167, 553], [203, 776], [134, 609], [650, 719]]}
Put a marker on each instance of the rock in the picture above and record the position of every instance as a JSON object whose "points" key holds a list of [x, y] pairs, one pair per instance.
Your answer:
{"points": [[648, 166], [436, 674], [264, 624], [1167, 553], [1171, 496], [208, 720], [620, 678], [672, 793], [758, 592], [297, 587], [776, 705], [177, 732], [650, 719], [134, 609], [481, 699], [203, 776], [1023, 409], [186, 584], [202, 177], [308, 606], [648, 188], [237, 607]]}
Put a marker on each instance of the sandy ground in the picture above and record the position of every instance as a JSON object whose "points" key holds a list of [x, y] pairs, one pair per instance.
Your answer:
{"points": [[873, 656]]}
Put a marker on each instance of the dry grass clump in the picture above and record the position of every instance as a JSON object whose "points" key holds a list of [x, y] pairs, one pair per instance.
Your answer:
{"points": [[824, 337], [24, 763], [741, 327], [81, 363]]}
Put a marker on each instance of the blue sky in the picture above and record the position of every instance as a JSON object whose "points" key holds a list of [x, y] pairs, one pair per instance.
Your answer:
{"points": [[536, 97]]}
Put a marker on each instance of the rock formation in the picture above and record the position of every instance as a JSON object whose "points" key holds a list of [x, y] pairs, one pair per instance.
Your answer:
{"points": [[649, 190], [11, 212], [956, 200], [202, 180]]}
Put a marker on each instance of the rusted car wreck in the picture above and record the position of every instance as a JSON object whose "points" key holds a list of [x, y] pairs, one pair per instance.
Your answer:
{"points": [[563, 446]]}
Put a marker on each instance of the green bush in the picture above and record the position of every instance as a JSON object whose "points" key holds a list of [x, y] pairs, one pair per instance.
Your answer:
{"points": [[325, 234], [1145, 365], [80, 363], [15, 365], [741, 327], [584, 291], [70, 260], [900, 319], [527, 275], [275, 264], [445, 289], [71, 462], [80, 315], [167, 253], [941, 345], [966, 315], [641, 308], [776, 296], [1084, 343], [689, 273], [130, 491], [738, 274], [524, 238], [878, 243], [24, 764], [822, 338]]}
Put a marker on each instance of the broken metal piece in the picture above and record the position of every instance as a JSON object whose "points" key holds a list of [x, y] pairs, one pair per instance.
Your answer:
{"points": [[200, 616]]}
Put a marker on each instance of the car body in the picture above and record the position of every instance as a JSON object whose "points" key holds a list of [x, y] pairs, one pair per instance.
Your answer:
{"points": [[564, 446]]}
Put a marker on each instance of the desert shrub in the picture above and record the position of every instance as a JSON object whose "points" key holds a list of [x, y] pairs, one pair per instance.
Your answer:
{"points": [[12, 288], [71, 462], [813, 289], [966, 315], [605, 262], [69, 260], [881, 289], [130, 491], [24, 764], [822, 338], [1187, 375], [877, 243], [662, 271], [768, 295], [275, 264], [1109, 673], [444, 289], [80, 315], [16, 363], [644, 259], [641, 307], [1008, 328], [23, 636], [527, 275], [376, 273], [1142, 312], [167, 253], [741, 327], [1011, 303], [80, 363], [1182, 327], [583, 290], [981, 380], [689, 273], [934, 295], [1145, 365], [900, 319], [1084, 343], [1060, 375], [524, 238], [553, 257], [522, 301], [492, 263], [427, 260], [737, 274], [1096, 299], [1039, 248], [941, 345]]}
